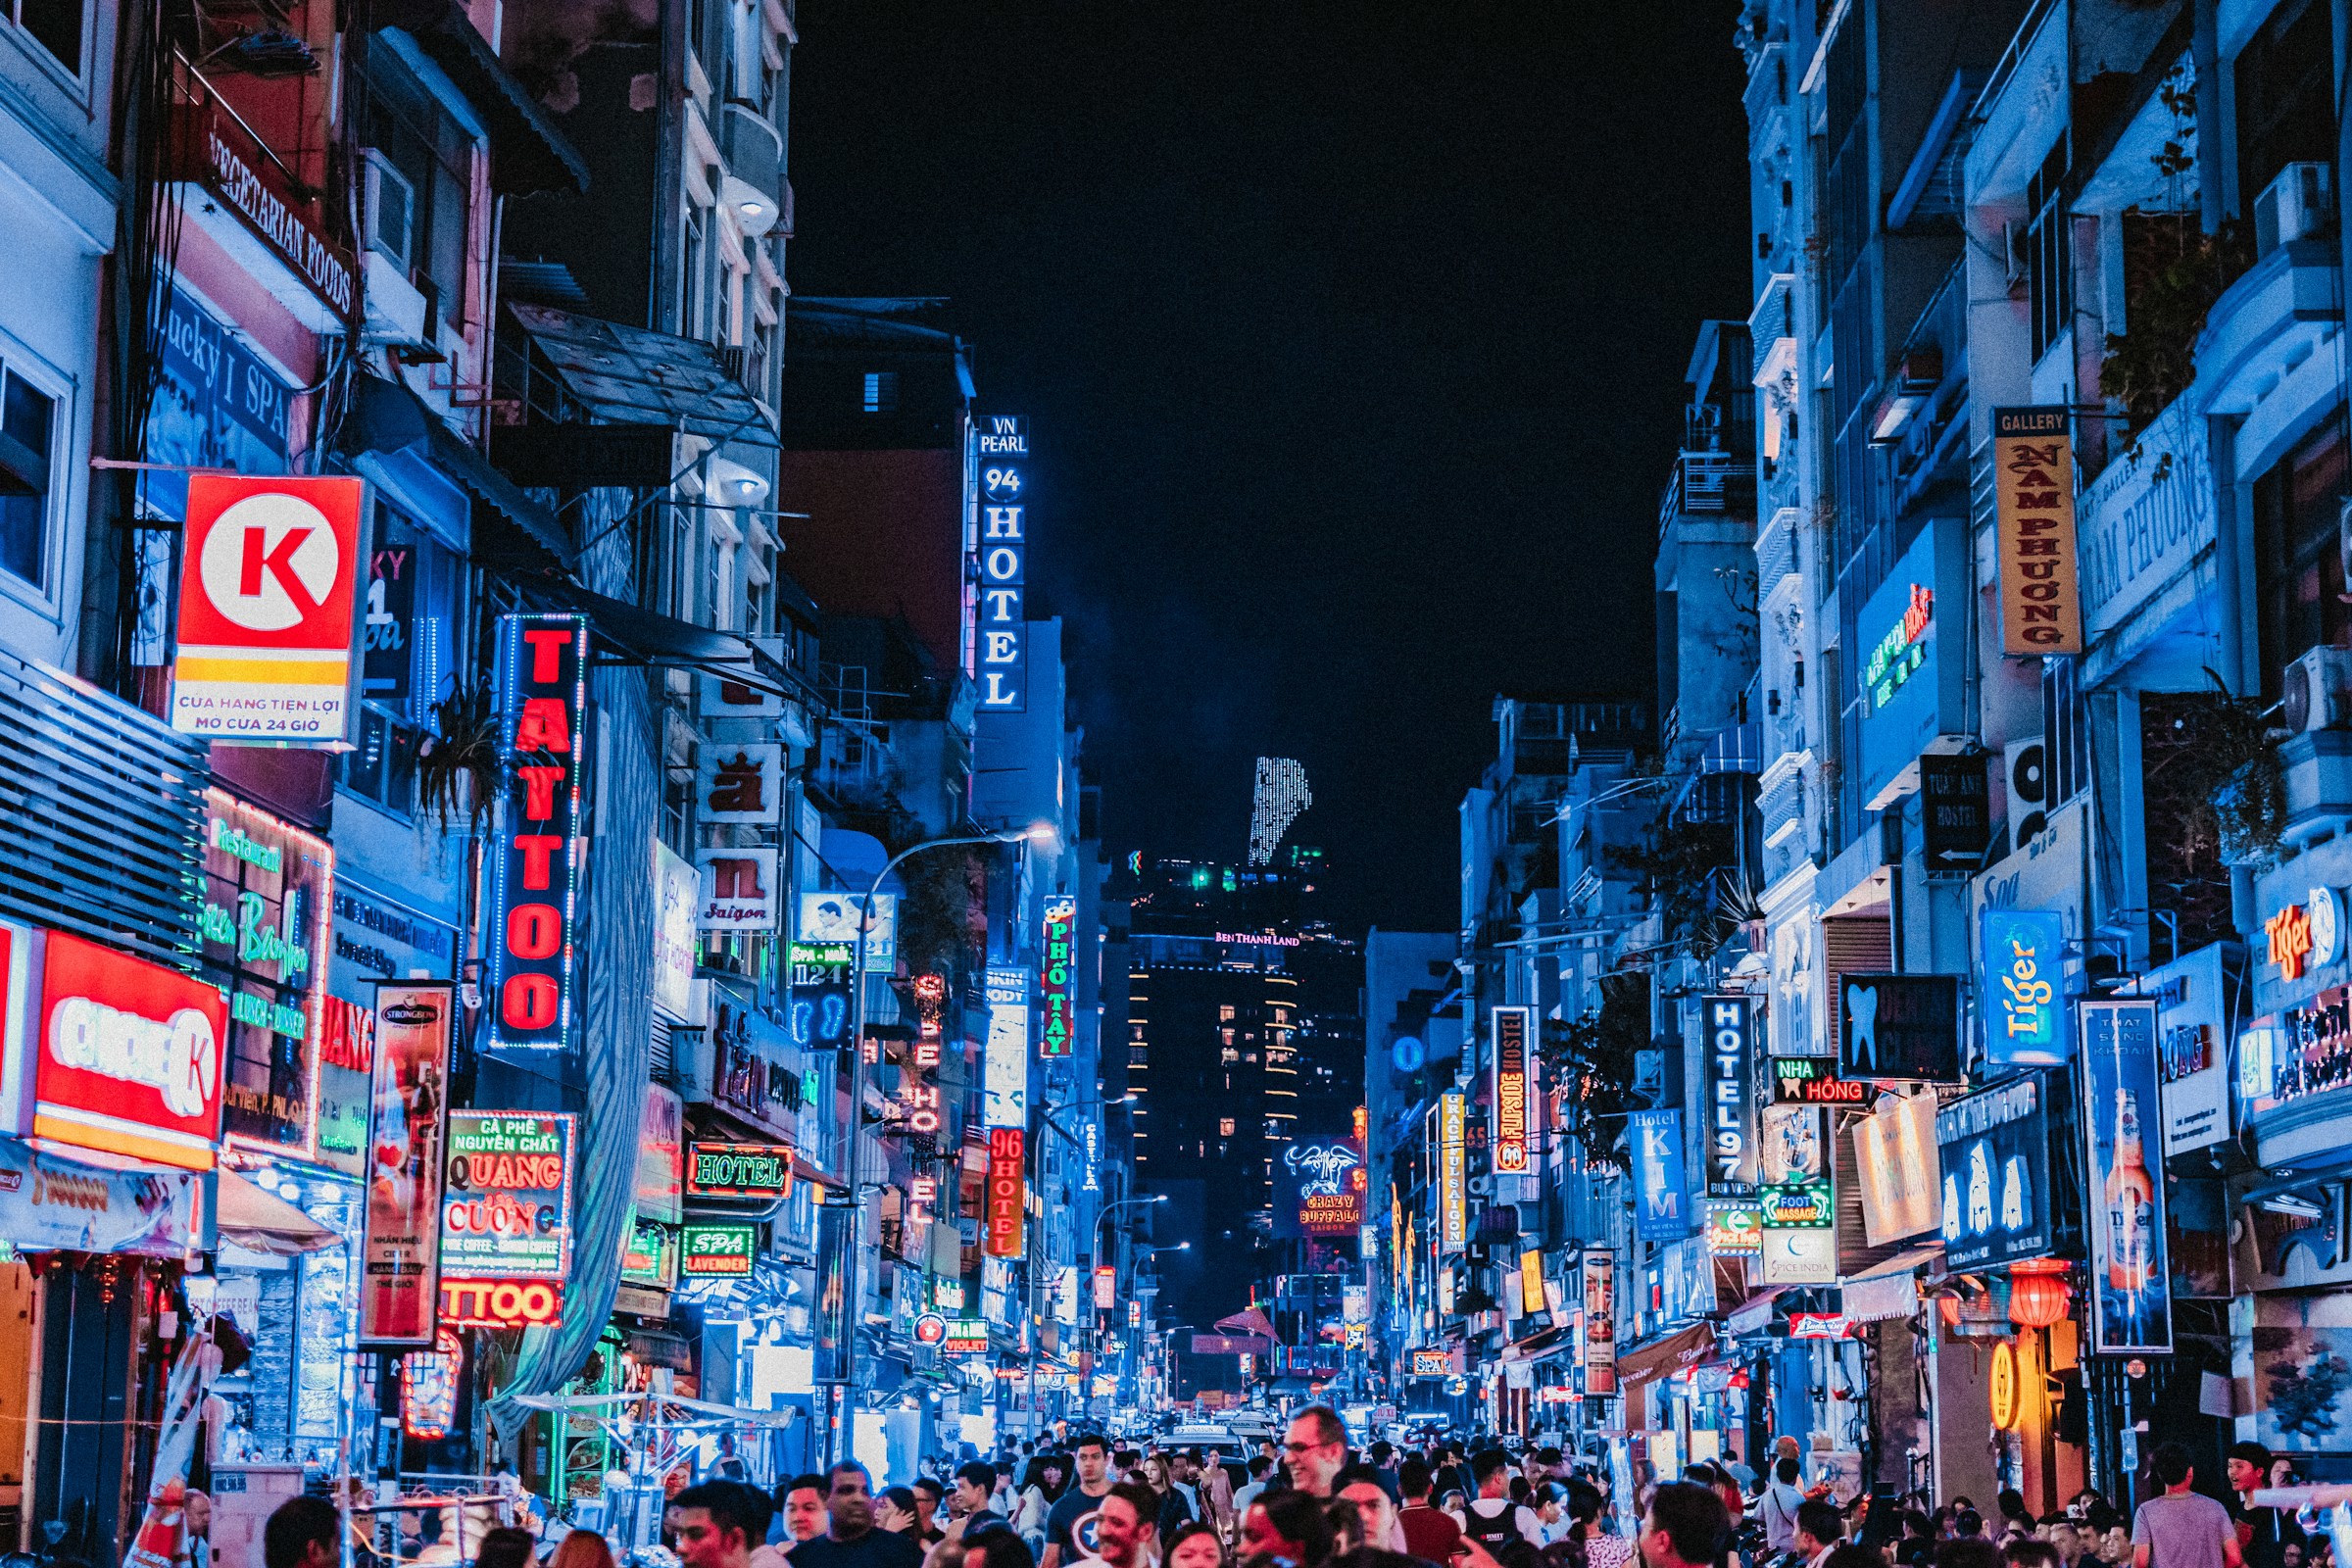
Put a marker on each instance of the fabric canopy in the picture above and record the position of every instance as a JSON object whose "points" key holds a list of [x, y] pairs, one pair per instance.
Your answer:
{"points": [[261, 1221], [1251, 1321], [1686, 1347]]}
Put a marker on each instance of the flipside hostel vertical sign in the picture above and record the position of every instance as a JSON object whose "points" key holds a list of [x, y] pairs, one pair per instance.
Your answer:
{"points": [[1511, 1131], [1056, 990], [1730, 1092], [1001, 442], [2033, 487], [540, 699]]}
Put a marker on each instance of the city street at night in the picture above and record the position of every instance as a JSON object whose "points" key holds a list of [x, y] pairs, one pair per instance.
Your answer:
{"points": [[1036, 785]]}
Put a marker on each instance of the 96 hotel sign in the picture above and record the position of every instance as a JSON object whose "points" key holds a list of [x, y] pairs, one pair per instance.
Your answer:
{"points": [[267, 589]]}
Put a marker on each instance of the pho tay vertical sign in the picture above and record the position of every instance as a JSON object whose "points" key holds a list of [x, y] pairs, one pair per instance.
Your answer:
{"points": [[1057, 980], [1512, 1130], [266, 608], [2034, 486], [2131, 1300], [533, 906], [1730, 1092], [1000, 449]]}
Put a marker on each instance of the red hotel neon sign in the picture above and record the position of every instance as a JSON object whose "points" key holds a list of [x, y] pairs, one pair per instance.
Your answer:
{"points": [[540, 695], [1008, 1191]]}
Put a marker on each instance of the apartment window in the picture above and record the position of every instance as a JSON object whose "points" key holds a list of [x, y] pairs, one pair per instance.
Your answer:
{"points": [[2299, 573], [382, 765], [1225, 1012], [681, 562], [698, 272], [1224, 1126], [881, 392], [55, 24], [27, 436], [2283, 78], [2049, 257], [434, 154], [1228, 1055]]}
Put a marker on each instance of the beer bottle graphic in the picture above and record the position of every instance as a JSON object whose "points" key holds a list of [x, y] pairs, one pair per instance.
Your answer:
{"points": [[2131, 1208]]}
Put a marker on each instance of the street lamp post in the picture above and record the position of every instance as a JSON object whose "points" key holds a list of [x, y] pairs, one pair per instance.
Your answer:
{"points": [[840, 1433]]}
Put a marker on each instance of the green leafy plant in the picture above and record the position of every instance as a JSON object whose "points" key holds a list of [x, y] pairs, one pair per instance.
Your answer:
{"points": [[2174, 272], [1685, 864], [1595, 1056], [456, 763], [2303, 1394], [2224, 760]]}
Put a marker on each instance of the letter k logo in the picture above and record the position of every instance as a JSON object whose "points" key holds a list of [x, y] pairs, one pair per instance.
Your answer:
{"points": [[269, 562]]}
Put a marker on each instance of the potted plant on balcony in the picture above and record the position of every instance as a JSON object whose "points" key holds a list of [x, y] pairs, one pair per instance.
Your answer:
{"points": [[2228, 755]]}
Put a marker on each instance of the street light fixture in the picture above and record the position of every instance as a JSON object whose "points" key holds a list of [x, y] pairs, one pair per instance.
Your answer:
{"points": [[840, 1442]]}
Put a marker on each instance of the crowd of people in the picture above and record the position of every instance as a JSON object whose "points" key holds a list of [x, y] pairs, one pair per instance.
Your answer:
{"points": [[1312, 1502]]}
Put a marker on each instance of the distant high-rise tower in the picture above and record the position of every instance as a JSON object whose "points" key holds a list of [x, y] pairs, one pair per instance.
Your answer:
{"points": [[1280, 795]]}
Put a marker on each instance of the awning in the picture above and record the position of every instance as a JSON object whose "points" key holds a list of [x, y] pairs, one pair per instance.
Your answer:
{"points": [[261, 1221], [1249, 1321], [1535, 1344], [1686, 1347], [386, 417], [1889, 1289], [631, 375], [645, 636], [1751, 1316], [528, 153]]}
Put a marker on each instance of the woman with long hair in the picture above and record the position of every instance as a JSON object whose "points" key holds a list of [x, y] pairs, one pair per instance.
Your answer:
{"points": [[1287, 1530], [1195, 1544], [582, 1549]]}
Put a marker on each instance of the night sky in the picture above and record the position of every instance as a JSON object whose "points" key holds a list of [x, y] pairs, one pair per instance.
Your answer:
{"points": [[1352, 334]]}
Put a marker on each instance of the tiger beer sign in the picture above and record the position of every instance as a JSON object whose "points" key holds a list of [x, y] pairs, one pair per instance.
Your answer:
{"points": [[2034, 486]]}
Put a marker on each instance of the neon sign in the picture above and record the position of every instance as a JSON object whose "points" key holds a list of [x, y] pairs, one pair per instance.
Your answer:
{"points": [[1008, 1191], [1001, 449], [540, 693], [1510, 1089], [1054, 991], [1900, 653]]}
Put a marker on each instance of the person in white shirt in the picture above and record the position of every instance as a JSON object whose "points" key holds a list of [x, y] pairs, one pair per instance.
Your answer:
{"points": [[1776, 1506]]}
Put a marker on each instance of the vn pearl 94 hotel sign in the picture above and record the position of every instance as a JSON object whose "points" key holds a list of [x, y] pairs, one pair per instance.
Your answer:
{"points": [[1001, 661]]}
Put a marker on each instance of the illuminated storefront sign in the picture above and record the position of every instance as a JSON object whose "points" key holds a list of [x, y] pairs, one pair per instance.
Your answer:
{"points": [[2307, 935], [265, 609], [506, 1214], [1994, 1147], [1058, 979], [964, 1336], [2129, 1300], [401, 1241], [831, 919], [1319, 1188], [2033, 496], [1734, 1228], [1905, 1026], [650, 1256], [1809, 1081], [269, 890], [1512, 1130], [1662, 1190], [738, 888], [2021, 988], [716, 1250], [1901, 651], [819, 1016], [1453, 1172], [1004, 1059], [1008, 1191], [531, 927], [1600, 1323], [739, 1170], [1432, 1364], [126, 1055], [1531, 1280], [1000, 451], [1731, 1087], [501, 1304], [2004, 1386]]}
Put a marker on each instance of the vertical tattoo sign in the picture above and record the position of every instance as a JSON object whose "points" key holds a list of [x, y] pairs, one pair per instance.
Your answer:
{"points": [[533, 904]]}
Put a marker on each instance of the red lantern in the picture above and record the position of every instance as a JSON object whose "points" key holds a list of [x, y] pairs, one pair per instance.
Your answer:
{"points": [[2037, 1293]]}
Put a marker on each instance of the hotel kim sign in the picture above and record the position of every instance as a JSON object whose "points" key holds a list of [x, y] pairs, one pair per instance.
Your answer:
{"points": [[1000, 448]]}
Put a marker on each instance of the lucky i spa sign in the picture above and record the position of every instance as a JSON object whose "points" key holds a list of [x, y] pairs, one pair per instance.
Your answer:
{"points": [[266, 604]]}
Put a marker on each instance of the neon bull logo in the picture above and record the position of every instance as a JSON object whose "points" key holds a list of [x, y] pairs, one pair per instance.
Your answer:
{"points": [[1322, 1165]]}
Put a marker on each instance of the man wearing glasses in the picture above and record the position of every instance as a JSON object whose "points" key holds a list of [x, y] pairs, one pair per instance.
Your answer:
{"points": [[1315, 1449]]}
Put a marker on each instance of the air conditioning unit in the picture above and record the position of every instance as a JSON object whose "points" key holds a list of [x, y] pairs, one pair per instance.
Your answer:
{"points": [[2024, 773], [391, 211], [2298, 203], [2316, 692]]}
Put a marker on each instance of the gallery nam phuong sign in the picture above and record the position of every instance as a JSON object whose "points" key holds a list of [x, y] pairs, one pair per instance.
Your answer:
{"points": [[267, 598], [2033, 490], [539, 695]]}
